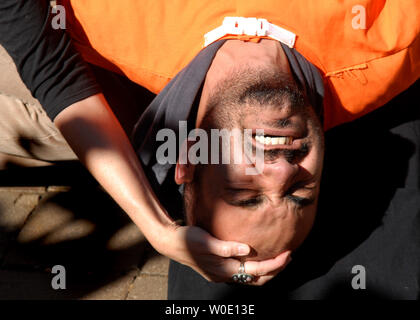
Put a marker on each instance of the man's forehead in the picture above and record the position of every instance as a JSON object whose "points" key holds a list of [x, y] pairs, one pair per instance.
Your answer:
{"points": [[246, 180], [233, 174]]}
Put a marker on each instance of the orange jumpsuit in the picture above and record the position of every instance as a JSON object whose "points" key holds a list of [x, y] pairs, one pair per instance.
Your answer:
{"points": [[363, 68]]}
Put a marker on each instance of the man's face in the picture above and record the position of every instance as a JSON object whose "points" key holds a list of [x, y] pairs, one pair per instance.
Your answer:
{"points": [[274, 210]]}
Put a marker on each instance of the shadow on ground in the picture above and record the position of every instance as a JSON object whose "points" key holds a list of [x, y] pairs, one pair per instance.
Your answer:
{"points": [[79, 227]]}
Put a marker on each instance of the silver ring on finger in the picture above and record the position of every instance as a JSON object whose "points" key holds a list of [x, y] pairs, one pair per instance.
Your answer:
{"points": [[242, 277]]}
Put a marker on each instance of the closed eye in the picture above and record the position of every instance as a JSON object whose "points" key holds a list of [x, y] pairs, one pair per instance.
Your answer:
{"points": [[300, 201], [245, 198], [255, 202], [248, 203]]}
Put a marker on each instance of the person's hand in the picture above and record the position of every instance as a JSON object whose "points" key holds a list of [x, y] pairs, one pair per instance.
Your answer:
{"points": [[214, 259]]}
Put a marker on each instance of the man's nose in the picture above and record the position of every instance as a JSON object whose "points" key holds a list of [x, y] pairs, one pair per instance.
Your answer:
{"points": [[281, 173]]}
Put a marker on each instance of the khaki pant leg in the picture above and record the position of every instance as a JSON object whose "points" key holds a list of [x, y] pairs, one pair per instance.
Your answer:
{"points": [[26, 131]]}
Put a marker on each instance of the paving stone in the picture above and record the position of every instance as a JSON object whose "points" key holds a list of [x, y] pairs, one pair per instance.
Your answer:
{"points": [[83, 231], [33, 237], [127, 246], [14, 210], [114, 290], [80, 229], [45, 220], [155, 264], [149, 288], [125, 237]]}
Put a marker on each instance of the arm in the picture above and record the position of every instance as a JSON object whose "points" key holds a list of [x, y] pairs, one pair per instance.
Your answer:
{"points": [[101, 145], [59, 78]]}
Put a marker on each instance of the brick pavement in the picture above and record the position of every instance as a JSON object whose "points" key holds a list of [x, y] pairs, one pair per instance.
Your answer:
{"points": [[104, 254]]}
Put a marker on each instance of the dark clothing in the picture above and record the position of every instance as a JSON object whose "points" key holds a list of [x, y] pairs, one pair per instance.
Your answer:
{"points": [[49, 66]]}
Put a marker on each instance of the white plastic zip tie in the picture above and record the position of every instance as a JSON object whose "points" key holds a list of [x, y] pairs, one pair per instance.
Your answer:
{"points": [[250, 27]]}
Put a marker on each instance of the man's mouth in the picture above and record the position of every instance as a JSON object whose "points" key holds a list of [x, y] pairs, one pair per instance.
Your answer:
{"points": [[274, 140], [270, 139]]}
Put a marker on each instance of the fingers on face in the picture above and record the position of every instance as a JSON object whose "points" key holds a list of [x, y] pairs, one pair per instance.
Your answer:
{"points": [[226, 249], [222, 269], [217, 269], [262, 268]]}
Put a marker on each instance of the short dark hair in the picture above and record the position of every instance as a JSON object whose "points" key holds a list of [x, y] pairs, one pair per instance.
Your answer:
{"points": [[262, 87]]}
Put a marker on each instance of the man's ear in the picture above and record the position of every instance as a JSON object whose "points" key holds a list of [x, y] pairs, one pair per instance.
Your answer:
{"points": [[184, 170]]}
